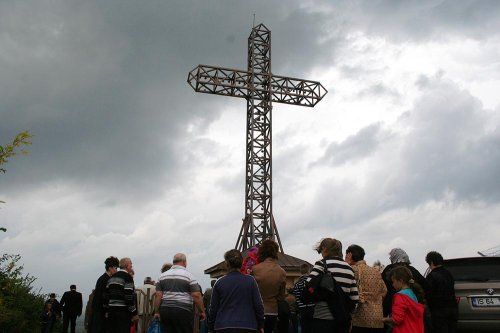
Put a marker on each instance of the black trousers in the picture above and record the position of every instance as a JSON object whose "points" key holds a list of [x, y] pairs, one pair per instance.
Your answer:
{"points": [[306, 319], [444, 320], [67, 320], [119, 321], [270, 323], [98, 322], [176, 320], [330, 326], [283, 324]]}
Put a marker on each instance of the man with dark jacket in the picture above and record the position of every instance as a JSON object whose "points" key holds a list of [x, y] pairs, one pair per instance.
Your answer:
{"points": [[120, 299], [72, 305], [56, 307], [441, 295]]}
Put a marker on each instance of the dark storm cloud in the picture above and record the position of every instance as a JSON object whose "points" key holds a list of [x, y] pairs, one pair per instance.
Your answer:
{"points": [[449, 145], [449, 148], [355, 147], [306, 39], [102, 85], [417, 20]]}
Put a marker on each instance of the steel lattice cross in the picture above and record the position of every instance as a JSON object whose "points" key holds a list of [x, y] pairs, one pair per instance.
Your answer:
{"points": [[260, 88]]}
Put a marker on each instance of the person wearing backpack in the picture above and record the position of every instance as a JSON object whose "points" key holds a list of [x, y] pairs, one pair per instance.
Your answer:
{"points": [[343, 282]]}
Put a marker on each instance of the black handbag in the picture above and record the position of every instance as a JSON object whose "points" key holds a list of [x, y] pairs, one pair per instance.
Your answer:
{"points": [[340, 304]]}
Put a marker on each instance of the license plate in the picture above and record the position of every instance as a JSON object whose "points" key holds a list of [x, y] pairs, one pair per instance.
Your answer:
{"points": [[485, 301]]}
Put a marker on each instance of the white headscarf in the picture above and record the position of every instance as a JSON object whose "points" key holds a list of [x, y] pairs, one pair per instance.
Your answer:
{"points": [[398, 255]]}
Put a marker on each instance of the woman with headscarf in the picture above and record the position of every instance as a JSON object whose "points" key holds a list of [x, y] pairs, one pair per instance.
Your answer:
{"points": [[398, 258]]}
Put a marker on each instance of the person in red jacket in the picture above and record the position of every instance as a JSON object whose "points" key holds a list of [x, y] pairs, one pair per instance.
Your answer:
{"points": [[407, 304]]}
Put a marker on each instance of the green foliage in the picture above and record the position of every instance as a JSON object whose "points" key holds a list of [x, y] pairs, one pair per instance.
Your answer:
{"points": [[9, 150], [20, 305]]}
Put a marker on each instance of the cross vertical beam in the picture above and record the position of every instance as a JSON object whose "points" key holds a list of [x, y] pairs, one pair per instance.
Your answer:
{"points": [[258, 223], [260, 88]]}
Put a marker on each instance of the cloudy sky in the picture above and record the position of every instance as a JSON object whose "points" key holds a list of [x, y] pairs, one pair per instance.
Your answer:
{"points": [[127, 160]]}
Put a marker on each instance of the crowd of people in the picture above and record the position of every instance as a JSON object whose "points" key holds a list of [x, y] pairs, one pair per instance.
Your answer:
{"points": [[339, 293]]}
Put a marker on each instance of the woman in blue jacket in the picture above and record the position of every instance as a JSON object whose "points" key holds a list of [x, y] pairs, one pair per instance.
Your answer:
{"points": [[236, 305]]}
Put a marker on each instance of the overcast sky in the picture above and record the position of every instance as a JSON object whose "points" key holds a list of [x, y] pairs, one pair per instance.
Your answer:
{"points": [[127, 160]]}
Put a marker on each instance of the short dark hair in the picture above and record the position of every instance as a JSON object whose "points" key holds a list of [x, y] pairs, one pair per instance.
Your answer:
{"points": [[166, 266], [268, 249], [356, 251], [111, 262], [72, 287], [435, 257], [233, 258]]}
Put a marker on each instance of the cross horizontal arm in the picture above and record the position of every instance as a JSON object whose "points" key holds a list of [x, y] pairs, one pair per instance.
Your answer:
{"points": [[238, 83]]}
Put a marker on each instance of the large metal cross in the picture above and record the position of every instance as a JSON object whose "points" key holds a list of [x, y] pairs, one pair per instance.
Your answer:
{"points": [[260, 88]]}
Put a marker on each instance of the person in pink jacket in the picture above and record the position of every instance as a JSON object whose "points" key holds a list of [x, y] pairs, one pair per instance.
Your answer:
{"points": [[407, 304]]}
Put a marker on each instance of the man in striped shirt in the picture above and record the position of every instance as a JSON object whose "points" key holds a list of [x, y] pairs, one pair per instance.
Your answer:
{"points": [[119, 299], [176, 291], [331, 251]]}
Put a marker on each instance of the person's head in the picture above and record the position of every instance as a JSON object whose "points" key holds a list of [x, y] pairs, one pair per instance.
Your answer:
{"points": [[402, 278], [354, 253], [434, 259], [233, 259], [399, 256], [111, 264], [180, 259], [329, 247], [148, 280], [48, 306], [126, 264], [268, 249], [305, 269], [378, 264], [72, 287], [165, 267], [52, 295]]}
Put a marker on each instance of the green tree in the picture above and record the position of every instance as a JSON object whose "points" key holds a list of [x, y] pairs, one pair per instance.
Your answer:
{"points": [[10, 149], [20, 305], [22, 139]]}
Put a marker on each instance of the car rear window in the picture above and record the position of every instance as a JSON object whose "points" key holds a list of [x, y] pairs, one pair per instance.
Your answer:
{"points": [[480, 270]]}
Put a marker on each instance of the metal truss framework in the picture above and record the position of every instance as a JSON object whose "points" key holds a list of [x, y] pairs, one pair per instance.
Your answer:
{"points": [[260, 88]]}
